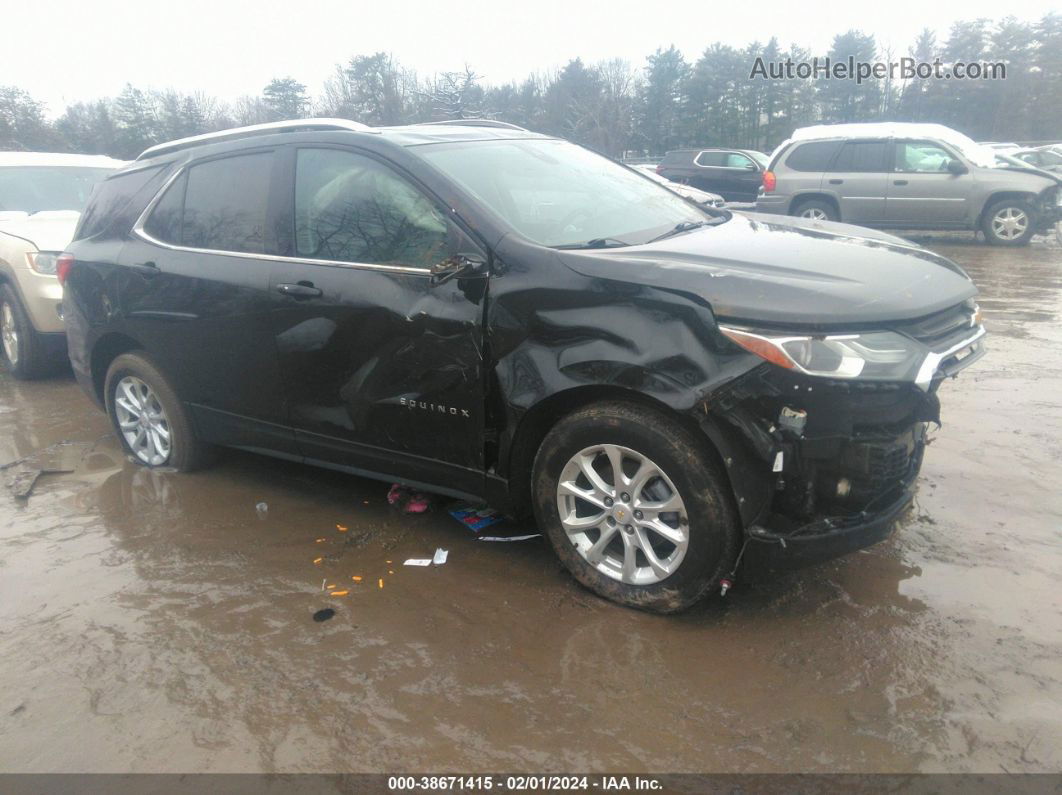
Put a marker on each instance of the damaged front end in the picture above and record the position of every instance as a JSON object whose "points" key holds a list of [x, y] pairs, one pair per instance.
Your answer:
{"points": [[842, 440]]}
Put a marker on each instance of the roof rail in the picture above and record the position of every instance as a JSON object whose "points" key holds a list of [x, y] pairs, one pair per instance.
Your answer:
{"points": [[292, 125], [477, 123]]}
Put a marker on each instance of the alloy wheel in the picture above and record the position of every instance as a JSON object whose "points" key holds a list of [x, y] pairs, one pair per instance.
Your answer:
{"points": [[9, 333], [1010, 223], [623, 514], [814, 213], [142, 421]]}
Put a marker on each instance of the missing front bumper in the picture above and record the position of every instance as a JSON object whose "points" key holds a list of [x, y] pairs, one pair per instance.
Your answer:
{"points": [[769, 552]]}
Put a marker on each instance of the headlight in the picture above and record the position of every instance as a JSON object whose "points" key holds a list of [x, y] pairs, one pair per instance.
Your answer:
{"points": [[42, 261], [878, 355]]}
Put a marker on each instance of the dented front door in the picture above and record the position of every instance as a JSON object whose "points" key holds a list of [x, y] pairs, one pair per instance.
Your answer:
{"points": [[382, 364]]}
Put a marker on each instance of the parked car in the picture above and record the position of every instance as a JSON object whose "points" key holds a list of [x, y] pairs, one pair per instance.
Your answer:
{"points": [[41, 195], [681, 396], [735, 174], [1046, 159], [908, 176], [694, 195]]}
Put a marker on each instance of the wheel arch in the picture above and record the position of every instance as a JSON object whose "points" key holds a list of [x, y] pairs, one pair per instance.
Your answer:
{"points": [[803, 198], [106, 349], [1003, 195], [538, 420]]}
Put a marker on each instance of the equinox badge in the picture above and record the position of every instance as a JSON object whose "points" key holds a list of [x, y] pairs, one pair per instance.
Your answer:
{"points": [[436, 407]]}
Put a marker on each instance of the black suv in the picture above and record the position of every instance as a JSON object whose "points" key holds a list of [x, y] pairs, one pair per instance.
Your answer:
{"points": [[681, 395], [735, 174]]}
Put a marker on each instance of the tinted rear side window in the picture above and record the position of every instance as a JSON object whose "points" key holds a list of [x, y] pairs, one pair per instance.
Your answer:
{"points": [[116, 202], [676, 158], [813, 156], [712, 159], [225, 204], [165, 221], [861, 156]]}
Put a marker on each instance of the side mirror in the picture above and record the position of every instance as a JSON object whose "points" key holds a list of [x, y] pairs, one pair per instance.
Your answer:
{"points": [[455, 266], [956, 168]]}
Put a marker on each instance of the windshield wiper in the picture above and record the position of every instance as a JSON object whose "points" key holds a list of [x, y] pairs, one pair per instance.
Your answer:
{"points": [[685, 226], [597, 242]]}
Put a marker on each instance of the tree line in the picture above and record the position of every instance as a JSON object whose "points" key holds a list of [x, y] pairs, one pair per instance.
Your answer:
{"points": [[612, 106]]}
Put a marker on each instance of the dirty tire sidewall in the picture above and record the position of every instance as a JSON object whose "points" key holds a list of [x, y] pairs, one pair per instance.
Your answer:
{"points": [[186, 452], [990, 213], [713, 526], [33, 361]]}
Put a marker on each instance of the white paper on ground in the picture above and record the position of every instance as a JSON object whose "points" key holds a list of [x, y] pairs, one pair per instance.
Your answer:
{"points": [[510, 538], [440, 556], [418, 562]]}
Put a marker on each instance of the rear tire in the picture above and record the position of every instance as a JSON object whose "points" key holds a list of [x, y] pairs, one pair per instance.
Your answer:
{"points": [[23, 350], [816, 210], [608, 534], [152, 424], [1009, 222]]}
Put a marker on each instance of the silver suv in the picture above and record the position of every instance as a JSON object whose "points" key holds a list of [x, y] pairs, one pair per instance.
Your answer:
{"points": [[907, 176]]}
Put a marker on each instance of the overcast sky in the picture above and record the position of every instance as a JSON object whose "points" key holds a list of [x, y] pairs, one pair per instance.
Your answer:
{"points": [[68, 51]]}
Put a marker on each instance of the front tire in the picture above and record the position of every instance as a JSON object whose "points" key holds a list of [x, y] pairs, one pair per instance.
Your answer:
{"points": [[22, 348], [634, 507], [1010, 222], [151, 422]]}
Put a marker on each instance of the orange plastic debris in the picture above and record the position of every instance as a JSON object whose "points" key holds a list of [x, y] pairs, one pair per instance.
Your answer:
{"points": [[356, 578], [340, 593], [342, 528], [333, 585], [381, 582], [319, 540], [317, 560], [390, 572]]}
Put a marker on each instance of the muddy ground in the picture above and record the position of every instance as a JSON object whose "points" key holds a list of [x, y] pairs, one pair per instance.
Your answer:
{"points": [[152, 622]]}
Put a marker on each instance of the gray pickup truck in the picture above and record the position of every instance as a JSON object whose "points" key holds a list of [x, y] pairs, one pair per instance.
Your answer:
{"points": [[908, 176]]}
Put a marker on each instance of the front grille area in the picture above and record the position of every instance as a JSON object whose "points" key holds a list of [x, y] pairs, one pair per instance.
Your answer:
{"points": [[942, 330], [871, 467]]}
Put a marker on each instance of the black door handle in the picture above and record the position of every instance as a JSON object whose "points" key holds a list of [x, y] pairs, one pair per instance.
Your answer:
{"points": [[147, 269], [899, 182], [299, 290], [836, 181]]}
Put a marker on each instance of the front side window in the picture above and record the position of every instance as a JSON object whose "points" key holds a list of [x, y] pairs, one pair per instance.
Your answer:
{"points": [[558, 194], [351, 208], [861, 157], [219, 205], [921, 156], [735, 160]]}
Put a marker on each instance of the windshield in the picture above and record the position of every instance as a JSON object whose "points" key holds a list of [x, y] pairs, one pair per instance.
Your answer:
{"points": [[559, 194], [32, 189]]}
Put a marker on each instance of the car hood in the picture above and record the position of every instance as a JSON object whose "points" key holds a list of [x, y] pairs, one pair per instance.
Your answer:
{"points": [[762, 269], [49, 230]]}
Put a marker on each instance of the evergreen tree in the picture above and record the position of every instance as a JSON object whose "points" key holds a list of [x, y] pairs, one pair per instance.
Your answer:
{"points": [[285, 98]]}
